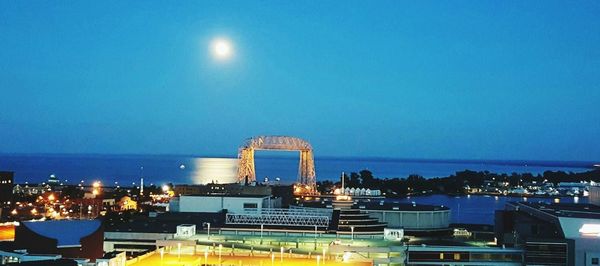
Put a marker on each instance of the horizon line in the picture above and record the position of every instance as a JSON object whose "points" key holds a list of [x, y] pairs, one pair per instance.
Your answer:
{"points": [[591, 164]]}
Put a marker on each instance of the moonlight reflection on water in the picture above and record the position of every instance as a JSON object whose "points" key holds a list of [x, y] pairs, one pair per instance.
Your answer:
{"points": [[217, 170]]}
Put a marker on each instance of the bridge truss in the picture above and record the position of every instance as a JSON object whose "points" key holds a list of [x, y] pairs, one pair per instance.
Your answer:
{"points": [[306, 167]]}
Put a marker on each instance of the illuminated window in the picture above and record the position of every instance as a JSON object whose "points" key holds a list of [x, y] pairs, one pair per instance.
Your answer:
{"points": [[441, 256], [456, 256]]}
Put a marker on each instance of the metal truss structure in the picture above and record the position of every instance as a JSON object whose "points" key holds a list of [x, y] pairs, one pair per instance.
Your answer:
{"points": [[306, 168], [282, 217]]}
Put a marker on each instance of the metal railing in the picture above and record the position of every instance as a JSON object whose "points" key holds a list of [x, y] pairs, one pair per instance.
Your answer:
{"points": [[280, 217]]}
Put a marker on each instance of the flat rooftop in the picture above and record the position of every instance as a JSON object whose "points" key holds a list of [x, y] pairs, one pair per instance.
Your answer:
{"points": [[379, 205], [574, 210], [226, 196]]}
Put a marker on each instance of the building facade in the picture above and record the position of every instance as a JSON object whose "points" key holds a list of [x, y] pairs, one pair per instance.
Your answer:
{"points": [[218, 203], [6, 188], [551, 234], [68, 238]]}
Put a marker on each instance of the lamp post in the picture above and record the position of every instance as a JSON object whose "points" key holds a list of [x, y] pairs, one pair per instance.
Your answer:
{"points": [[162, 255], [272, 259], [406, 259], [315, 237], [261, 233], [208, 232], [206, 256], [220, 251], [352, 233]]}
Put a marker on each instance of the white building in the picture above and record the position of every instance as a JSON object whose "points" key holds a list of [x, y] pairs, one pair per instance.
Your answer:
{"points": [[217, 203], [594, 197]]}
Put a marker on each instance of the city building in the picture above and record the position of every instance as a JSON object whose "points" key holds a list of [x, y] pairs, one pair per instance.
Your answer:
{"points": [[32, 189], [594, 197], [415, 219], [53, 180], [551, 234], [218, 203], [126, 203], [138, 232], [463, 255], [68, 238], [6, 188], [11, 257], [221, 189]]}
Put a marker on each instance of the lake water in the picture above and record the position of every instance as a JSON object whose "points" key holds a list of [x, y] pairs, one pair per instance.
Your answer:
{"points": [[126, 169]]}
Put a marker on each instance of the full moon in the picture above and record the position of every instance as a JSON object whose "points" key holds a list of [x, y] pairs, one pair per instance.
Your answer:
{"points": [[221, 48]]}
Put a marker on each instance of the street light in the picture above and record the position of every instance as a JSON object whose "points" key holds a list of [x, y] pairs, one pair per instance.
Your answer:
{"points": [[220, 251], [315, 237], [272, 259], [352, 232], [206, 256], [281, 255], [162, 254], [318, 260], [261, 233], [208, 232]]}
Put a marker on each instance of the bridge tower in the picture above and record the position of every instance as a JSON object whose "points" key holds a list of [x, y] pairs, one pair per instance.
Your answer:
{"points": [[306, 182]]}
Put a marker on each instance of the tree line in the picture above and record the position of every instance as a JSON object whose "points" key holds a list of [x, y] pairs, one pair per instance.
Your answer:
{"points": [[453, 184]]}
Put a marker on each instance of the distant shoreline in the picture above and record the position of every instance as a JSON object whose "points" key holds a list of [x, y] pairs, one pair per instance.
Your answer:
{"points": [[500, 162]]}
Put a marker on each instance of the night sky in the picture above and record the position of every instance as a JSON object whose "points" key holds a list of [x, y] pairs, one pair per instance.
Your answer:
{"points": [[406, 79]]}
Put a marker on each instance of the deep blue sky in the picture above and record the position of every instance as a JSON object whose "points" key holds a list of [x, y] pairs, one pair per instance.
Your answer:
{"points": [[477, 80]]}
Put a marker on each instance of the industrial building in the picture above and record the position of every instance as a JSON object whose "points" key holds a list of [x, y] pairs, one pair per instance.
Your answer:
{"points": [[551, 234], [414, 219], [6, 188], [68, 238], [218, 203]]}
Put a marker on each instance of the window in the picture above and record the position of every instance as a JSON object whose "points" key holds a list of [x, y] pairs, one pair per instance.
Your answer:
{"points": [[595, 261], [456, 256], [250, 205]]}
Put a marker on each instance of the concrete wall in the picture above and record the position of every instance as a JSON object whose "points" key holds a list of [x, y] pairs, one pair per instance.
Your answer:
{"points": [[200, 204], [216, 203], [413, 219], [594, 197], [112, 238]]}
